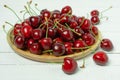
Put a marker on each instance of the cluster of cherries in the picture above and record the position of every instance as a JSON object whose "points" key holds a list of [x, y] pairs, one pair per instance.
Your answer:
{"points": [[60, 33]]}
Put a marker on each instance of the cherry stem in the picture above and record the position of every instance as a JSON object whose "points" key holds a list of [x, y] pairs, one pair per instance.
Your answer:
{"points": [[9, 24], [13, 12], [47, 27], [36, 7], [4, 29], [46, 51], [83, 65], [82, 21], [24, 15], [28, 11], [106, 9], [30, 8], [73, 30]]}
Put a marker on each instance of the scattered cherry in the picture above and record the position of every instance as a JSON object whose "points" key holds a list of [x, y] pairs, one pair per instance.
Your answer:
{"points": [[100, 58], [106, 44], [69, 65]]}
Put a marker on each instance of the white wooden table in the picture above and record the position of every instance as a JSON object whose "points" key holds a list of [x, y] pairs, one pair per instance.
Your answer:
{"points": [[15, 67]]}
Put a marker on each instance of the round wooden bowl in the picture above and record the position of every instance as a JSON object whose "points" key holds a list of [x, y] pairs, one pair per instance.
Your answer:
{"points": [[51, 58]]}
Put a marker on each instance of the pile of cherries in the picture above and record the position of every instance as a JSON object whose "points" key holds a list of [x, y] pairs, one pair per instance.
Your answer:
{"points": [[60, 33], [57, 32]]}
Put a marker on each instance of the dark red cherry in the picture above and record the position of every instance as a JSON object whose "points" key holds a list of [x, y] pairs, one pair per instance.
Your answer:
{"points": [[106, 44], [67, 35], [46, 14], [94, 13], [68, 44], [35, 21], [79, 44], [86, 25], [74, 17], [19, 41], [37, 34], [68, 50], [17, 29], [69, 65], [58, 49], [80, 20], [88, 38], [95, 20], [55, 15], [51, 32], [26, 31], [94, 30], [64, 18], [35, 48], [30, 42], [46, 43], [73, 24], [57, 40], [100, 58], [66, 10]]}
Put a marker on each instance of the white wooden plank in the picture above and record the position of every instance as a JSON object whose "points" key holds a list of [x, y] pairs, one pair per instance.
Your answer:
{"points": [[15, 59], [37, 72]]}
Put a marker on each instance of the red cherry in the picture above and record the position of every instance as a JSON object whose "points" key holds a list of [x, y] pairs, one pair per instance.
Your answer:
{"points": [[79, 44], [55, 15], [94, 13], [57, 40], [58, 49], [29, 43], [51, 32], [68, 50], [69, 65], [46, 14], [95, 20], [46, 43], [66, 10], [35, 21], [17, 29], [88, 38], [67, 35], [86, 25], [64, 18], [80, 20], [26, 31], [35, 48], [100, 58], [94, 30], [19, 42], [37, 34], [73, 24], [106, 44]]}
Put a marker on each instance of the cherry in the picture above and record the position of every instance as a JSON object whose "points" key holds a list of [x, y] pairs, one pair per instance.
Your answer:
{"points": [[106, 44], [94, 30], [35, 48], [46, 43], [67, 35], [73, 24], [74, 17], [46, 14], [17, 29], [68, 50], [79, 32], [19, 41], [30, 42], [35, 21], [95, 20], [100, 58], [69, 65], [68, 44], [51, 32], [79, 43], [88, 38], [94, 13], [58, 49], [64, 18], [26, 31], [37, 34], [55, 15], [66, 10], [86, 25], [80, 20], [58, 40]]}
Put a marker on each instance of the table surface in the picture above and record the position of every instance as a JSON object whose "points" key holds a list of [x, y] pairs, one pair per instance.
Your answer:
{"points": [[15, 67]]}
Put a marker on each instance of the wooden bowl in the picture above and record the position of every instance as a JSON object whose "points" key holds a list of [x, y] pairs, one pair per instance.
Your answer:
{"points": [[51, 58]]}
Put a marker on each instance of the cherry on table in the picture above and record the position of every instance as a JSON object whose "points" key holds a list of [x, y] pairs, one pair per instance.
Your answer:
{"points": [[100, 58], [69, 65], [106, 44]]}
